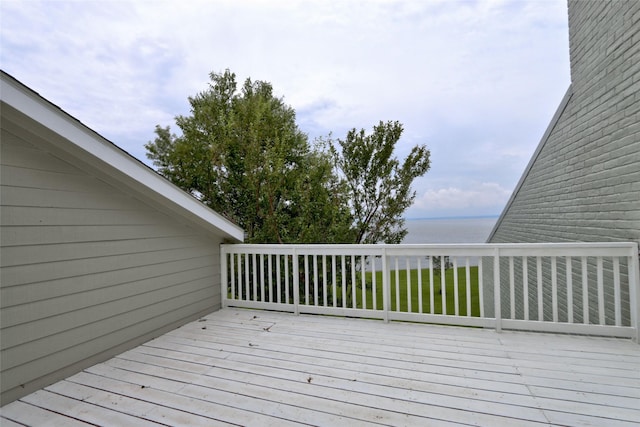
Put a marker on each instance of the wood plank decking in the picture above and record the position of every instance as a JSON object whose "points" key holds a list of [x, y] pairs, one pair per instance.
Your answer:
{"points": [[258, 368]]}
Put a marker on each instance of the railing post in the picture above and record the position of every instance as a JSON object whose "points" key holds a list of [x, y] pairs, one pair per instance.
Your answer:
{"points": [[296, 283], [497, 308], [223, 275], [386, 286], [634, 291]]}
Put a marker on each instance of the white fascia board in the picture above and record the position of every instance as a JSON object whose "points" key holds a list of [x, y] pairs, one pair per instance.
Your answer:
{"points": [[31, 104]]}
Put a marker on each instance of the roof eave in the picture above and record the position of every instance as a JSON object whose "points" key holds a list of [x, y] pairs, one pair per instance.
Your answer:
{"points": [[103, 154]]}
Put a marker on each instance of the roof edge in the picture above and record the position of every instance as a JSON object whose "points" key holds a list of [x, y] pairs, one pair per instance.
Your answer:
{"points": [[28, 102]]}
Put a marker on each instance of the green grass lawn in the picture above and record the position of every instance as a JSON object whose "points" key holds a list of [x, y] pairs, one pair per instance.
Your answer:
{"points": [[426, 286], [356, 290]]}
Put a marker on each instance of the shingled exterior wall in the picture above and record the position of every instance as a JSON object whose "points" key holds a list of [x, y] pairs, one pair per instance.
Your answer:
{"points": [[583, 182]]}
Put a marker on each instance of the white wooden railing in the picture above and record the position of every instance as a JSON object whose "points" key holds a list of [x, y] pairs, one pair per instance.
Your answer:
{"points": [[582, 288]]}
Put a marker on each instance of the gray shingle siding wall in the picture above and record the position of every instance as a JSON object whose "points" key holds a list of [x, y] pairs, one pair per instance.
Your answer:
{"points": [[87, 269], [584, 184]]}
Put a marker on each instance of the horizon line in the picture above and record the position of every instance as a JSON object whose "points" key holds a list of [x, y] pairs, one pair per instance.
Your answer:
{"points": [[453, 217]]}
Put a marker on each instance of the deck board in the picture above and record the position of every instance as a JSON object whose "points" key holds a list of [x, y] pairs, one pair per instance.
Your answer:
{"points": [[246, 367]]}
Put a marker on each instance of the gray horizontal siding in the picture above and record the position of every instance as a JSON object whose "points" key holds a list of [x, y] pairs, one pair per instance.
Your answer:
{"points": [[71, 284], [87, 269]]}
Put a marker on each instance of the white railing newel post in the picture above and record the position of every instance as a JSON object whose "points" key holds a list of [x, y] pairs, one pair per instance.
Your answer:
{"points": [[634, 291], [223, 277]]}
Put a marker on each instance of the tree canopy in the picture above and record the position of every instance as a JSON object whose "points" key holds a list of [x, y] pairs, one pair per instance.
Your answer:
{"points": [[378, 186], [241, 152]]}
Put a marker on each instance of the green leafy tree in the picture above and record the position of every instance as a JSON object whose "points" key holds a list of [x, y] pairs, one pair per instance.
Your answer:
{"points": [[321, 209], [378, 185], [242, 154]]}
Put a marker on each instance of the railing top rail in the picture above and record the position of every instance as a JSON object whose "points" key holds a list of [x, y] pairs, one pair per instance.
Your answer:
{"points": [[478, 249]]}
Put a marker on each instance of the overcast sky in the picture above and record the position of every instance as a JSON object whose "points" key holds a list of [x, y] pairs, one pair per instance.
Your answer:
{"points": [[476, 81]]}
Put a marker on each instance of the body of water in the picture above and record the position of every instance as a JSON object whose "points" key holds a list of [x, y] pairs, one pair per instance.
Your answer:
{"points": [[450, 230]]}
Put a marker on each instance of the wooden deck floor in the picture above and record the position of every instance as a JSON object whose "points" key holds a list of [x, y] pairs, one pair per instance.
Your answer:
{"points": [[259, 368]]}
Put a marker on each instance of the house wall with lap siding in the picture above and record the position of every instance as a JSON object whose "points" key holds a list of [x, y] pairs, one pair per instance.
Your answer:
{"points": [[583, 182], [88, 269]]}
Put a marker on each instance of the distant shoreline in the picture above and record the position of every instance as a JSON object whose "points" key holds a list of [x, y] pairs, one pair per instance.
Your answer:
{"points": [[454, 217]]}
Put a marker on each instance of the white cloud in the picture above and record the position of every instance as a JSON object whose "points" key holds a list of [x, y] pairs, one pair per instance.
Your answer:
{"points": [[477, 199], [477, 81]]}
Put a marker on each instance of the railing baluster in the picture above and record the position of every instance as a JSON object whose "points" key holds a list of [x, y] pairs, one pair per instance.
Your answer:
{"points": [[397, 270], [363, 281], [525, 286], [374, 281], [569, 280], [480, 287], [278, 279], [324, 280], [239, 276], [386, 285], [306, 279], [262, 277], [334, 279], [456, 296], [232, 257], [287, 292], [539, 287], [408, 273], [255, 277], [554, 288], [600, 280], [616, 290], [512, 289], [296, 282], [354, 294], [247, 293], [344, 280], [443, 287], [497, 300], [431, 286], [270, 279], [315, 279], [468, 286], [420, 304], [585, 292]]}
